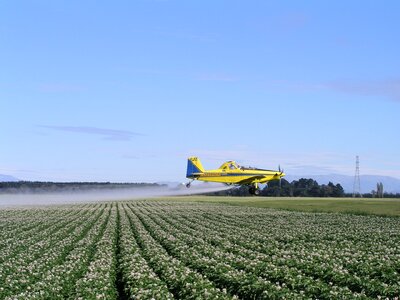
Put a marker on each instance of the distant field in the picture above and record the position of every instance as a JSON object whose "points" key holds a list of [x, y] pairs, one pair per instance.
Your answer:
{"points": [[195, 248], [385, 207]]}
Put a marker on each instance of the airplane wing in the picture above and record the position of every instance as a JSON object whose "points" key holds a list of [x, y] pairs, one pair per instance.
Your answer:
{"points": [[251, 179]]}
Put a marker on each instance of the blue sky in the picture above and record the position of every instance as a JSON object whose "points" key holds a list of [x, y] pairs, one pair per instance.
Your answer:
{"points": [[127, 90]]}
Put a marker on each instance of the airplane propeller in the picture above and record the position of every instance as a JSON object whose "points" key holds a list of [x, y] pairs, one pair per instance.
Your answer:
{"points": [[280, 170], [280, 179]]}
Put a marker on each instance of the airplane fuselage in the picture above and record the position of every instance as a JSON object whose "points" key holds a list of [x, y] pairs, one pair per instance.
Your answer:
{"points": [[236, 176], [231, 173]]}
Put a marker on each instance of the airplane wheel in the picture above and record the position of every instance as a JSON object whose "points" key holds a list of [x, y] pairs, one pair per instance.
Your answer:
{"points": [[188, 185], [257, 192], [252, 190]]}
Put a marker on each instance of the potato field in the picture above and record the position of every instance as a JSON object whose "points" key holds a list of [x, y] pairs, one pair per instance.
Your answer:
{"points": [[165, 249]]}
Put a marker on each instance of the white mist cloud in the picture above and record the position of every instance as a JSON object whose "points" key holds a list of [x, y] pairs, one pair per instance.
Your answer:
{"points": [[388, 88], [108, 134], [58, 198], [217, 77], [60, 87]]}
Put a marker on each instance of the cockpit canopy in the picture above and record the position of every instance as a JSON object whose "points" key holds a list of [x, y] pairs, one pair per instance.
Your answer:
{"points": [[230, 165]]}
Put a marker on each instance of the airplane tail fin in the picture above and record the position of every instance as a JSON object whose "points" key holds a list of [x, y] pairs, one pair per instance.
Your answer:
{"points": [[194, 167]]}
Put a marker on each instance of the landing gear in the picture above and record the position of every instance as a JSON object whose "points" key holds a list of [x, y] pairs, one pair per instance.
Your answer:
{"points": [[189, 184], [254, 190]]}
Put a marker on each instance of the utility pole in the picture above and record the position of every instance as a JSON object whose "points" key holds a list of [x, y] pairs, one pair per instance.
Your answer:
{"points": [[356, 185]]}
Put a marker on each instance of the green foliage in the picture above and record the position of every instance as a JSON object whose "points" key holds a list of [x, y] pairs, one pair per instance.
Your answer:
{"points": [[180, 249], [303, 188], [297, 188], [366, 206]]}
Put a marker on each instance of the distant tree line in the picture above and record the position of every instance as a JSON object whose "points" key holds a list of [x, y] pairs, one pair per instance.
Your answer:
{"points": [[304, 187], [297, 188], [44, 186], [374, 194]]}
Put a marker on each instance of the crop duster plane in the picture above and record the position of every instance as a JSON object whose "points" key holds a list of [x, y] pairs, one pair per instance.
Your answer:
{"points": [[231, 173]]}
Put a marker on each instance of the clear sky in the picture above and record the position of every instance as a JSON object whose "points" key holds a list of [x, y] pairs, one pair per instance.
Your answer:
{"points": [[127, 90]]}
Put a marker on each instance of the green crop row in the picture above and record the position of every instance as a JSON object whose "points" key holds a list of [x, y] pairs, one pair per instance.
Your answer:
{"points": [[158, 249]]}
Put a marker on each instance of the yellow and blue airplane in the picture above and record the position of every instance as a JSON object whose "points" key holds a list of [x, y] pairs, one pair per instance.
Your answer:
{"points": [[231, 173]]}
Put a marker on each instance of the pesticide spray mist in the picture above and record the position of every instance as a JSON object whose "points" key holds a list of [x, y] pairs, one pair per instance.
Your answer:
{"points": [[54, 198]]}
